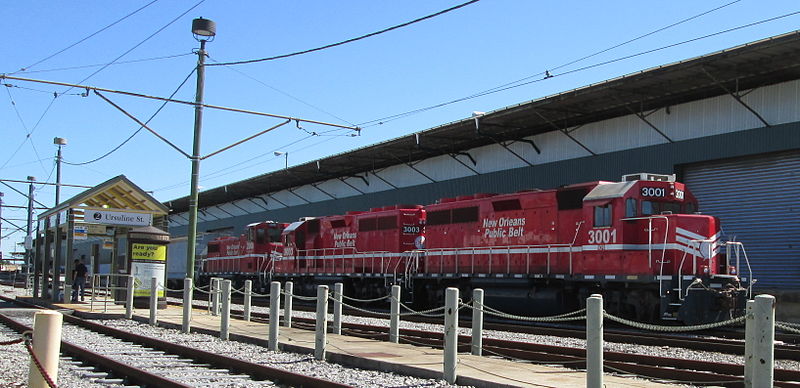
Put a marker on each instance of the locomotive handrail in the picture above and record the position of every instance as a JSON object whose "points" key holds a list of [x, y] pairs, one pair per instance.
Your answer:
{"points": [[739, 245], [694, 263]]}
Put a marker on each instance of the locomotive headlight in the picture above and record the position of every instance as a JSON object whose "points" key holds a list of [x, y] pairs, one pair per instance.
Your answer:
{"points": [[705, 270]]}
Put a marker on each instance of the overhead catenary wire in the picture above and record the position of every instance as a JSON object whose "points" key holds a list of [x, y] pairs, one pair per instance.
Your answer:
{"points": [[385, 30], [78, 67], [164, 104], [208, 106], [231, 68], [26, 68], [386, 119]]}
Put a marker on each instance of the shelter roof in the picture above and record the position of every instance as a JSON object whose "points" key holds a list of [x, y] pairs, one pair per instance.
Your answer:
{"points": [[764, 62], [116, 193]]}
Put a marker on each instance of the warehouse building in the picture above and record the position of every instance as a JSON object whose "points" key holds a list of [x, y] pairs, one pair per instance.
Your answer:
{"points": [[727, 124]]}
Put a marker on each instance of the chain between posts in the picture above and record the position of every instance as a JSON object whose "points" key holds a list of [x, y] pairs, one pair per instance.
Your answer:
{"points": [[366, 300], [365, 310], [555, 318], [673, 329], [784, 326]]}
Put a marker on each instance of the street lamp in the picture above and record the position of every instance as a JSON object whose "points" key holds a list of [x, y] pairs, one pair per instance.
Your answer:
{"points": [[60, 142], [285, 156], [203, 30]]}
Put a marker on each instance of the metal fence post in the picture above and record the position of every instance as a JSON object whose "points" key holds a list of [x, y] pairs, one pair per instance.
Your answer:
{"points": [[215, 296], [287, 304], [46, 347], [477, 321], [338, 289], [450, 334], [225, 319], [154, 301], [274, 318], [594, 341], [188, 290], [322, 323], [248, 295], [394, 319], [749, 339], [129, 297], [764, 341]]}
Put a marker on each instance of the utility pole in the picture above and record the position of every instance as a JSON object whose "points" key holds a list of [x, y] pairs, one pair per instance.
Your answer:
{"points": [[59, 141], [28, 237], [203, 30]]}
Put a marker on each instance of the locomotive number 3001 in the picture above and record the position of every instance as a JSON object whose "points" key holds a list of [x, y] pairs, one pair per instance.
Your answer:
{"points": [[602, 236]]}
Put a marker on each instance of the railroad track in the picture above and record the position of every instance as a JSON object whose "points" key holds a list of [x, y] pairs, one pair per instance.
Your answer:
{"points": [[696, 372], [152, 362], [705, 342]]}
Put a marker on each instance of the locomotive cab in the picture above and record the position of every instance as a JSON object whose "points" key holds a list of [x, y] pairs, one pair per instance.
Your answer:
{"points": [[662, 239]]}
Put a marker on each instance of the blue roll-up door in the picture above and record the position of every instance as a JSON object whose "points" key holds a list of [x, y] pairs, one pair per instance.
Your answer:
{"points": [[758, 202]]}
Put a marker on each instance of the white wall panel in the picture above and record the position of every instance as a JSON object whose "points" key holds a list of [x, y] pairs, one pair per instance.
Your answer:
{"points": [[617, 134], [213, 213], [337, 188], [286, 198], [310, 194], [403, 176], [248, 206], [442, 168], [375, 183], [270, 204], [555, 146], [228, 207]]}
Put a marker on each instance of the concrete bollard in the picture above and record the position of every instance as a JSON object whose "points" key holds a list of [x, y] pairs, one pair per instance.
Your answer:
{"points": [[594, 341], [477, 322], [215, 284], [749, 338], [763, 341], [450, 334], [154, 301], [46, 347], [274, 318], [287, 304], [248, 296], [338, 289], [322, 323], [188, 291], [128, 298], [225, 311], [394, 316]]}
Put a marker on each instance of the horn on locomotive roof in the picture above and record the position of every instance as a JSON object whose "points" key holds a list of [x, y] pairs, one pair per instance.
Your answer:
{"points": [[646, 176]]}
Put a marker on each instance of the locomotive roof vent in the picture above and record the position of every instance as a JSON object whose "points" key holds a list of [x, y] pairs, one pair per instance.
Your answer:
{"points": [[646, 176]]}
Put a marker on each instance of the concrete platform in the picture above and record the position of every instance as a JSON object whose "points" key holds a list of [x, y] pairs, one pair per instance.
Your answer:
{"points": [[377, 355]]}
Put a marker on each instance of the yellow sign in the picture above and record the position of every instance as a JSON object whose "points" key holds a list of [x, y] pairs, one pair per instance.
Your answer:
{"points": [[149, 252]]}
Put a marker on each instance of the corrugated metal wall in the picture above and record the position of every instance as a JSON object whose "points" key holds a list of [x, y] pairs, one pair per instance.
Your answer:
{"points": [[758, 201]]}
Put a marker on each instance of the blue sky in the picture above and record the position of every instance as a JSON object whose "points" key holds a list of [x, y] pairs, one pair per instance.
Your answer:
{"points": [[472, 49]]}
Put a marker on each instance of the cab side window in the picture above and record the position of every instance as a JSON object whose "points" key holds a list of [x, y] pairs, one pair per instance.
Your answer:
{"points": [[602, 215], [630, 208]]}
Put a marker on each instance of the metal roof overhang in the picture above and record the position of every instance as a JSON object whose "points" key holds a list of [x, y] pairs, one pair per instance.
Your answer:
{"points": [[117, 193], [765, 62]]}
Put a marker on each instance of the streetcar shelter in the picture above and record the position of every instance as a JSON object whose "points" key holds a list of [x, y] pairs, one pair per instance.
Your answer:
{"points": [[93, 227]]}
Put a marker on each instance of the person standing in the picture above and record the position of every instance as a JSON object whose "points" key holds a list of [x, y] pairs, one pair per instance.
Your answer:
{"points": [[79, 276]]}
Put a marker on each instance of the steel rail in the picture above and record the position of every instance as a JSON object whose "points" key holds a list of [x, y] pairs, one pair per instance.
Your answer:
{"points": [[134, 375], [257, 371]]}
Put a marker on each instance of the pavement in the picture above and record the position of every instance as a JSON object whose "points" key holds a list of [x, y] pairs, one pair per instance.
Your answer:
{"points": [[413, 360]]}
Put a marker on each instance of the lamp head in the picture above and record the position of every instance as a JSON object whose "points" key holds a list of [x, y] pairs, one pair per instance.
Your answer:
{"points": [[204, 29], [60, 141]]}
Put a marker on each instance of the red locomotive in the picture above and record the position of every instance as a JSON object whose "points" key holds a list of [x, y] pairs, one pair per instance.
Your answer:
{"points": [[639, 242]]}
